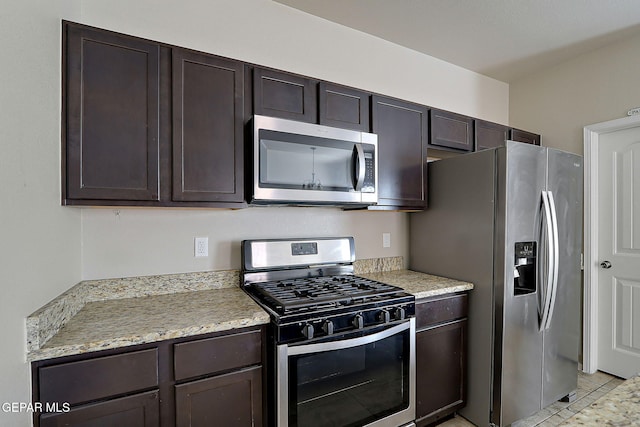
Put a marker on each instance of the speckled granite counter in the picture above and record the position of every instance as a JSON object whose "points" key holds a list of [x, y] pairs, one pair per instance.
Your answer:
{"points": [[620, 407], [420, 284], [111, 313], [122, 322]]}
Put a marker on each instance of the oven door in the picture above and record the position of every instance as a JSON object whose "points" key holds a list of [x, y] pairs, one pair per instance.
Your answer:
{"points": [[366, 380]]}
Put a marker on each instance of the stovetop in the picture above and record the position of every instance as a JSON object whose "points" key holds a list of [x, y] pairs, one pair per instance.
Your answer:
{"points": [[311, 293], [298, 295]]}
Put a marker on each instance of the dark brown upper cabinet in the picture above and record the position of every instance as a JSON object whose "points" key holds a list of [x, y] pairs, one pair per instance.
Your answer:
{"points": [[147, 124], [284, 95], [490, 135], [402, 129], [207, 128], [450, 130], [524, 136], [111, 109], [344, 107]]}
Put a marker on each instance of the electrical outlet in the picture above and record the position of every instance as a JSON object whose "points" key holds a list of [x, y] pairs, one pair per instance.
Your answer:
{"points": [[201, 247], [386, 240]]}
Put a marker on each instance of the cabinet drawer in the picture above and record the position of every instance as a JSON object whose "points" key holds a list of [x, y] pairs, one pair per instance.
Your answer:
{"points": [[87, 380], [447, 309], [208, 356]]}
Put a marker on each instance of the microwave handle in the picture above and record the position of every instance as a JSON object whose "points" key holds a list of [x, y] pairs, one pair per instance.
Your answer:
{"points": [[359, 166]]}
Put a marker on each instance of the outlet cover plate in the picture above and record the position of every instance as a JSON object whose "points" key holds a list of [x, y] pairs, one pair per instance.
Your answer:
{"points": [[201, 247]]}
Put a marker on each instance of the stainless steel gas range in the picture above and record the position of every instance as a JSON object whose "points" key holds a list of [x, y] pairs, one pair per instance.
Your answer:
{"points": [[341, 348]]}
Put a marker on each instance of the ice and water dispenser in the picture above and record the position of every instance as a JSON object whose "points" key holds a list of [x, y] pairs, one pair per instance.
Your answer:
{"points": [[525, 267]]}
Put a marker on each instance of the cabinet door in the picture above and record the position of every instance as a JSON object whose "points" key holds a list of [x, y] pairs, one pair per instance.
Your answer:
{"points": [[111, 131], [140, 410], [207, 128], [402, 129], [524, 136], [284, 95], [344, 107], [234, 399], [450, 130], [440, 371], [490, 135]]}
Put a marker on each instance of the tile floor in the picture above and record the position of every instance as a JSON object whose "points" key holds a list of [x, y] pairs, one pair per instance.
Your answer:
{"points": [[590, 389]]}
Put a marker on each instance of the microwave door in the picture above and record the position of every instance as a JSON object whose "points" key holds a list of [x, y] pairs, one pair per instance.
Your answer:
{"points": [[303, 163], [293, 169]]}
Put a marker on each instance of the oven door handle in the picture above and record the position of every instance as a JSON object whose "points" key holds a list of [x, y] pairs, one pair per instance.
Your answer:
{"points": [[348, 343]]}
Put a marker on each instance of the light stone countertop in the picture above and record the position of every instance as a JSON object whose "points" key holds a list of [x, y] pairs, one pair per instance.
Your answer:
{"points": [[115, 323], [113, 313], [420, 284], [620, 407]]}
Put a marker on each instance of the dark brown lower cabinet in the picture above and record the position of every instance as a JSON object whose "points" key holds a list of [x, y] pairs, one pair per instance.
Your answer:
{"points": [[207, 380], [440, 358], [233, 399], [140, 410]]}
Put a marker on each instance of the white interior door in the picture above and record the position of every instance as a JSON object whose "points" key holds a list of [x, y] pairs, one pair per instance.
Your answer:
{"points": [[619, 252]]}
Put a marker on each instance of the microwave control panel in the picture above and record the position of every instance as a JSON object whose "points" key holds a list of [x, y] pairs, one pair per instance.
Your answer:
{"points": [[369, 185]]}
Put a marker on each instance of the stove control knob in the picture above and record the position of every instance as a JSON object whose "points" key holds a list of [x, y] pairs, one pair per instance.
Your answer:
{"points": [[400, 313], [307, 330], [358, 321], [327, 327], [385, 316]]}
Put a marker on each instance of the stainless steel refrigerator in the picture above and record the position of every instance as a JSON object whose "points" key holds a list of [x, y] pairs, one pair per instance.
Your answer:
{"points": [[509, 220]]}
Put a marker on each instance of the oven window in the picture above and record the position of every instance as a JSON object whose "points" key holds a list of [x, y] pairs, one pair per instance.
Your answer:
{"points": [[350, 387]]}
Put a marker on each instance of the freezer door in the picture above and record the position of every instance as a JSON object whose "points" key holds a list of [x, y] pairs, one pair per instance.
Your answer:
{"points": [[562, 333], [518, 347]]}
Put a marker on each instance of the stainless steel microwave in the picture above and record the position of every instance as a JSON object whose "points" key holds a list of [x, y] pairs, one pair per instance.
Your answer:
{"points": [[305, 164]]}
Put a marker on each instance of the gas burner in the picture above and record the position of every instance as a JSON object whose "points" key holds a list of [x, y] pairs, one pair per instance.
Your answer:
{"points": [[293, 295]]}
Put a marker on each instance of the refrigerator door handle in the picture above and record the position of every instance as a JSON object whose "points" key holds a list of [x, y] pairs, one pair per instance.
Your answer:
{"points": [[556, 256], [550, 257]]}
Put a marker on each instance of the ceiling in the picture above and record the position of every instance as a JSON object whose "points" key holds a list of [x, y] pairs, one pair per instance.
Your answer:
{"points": [[503, 39]]}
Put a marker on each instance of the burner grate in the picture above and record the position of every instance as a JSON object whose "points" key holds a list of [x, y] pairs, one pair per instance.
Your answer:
{"points": [[318, 292]]}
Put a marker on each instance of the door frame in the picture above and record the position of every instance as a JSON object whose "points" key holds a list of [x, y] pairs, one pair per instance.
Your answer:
{"points": [[591, 260]]}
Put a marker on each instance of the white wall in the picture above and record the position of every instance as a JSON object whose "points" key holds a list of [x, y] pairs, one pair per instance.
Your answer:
{"points": [[595, 87], [39, 239], [271, 34], [46, 248], [140, 242]]}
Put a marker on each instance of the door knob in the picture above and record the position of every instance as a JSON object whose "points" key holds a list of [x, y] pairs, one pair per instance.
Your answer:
{"points": [[605, 264]]}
